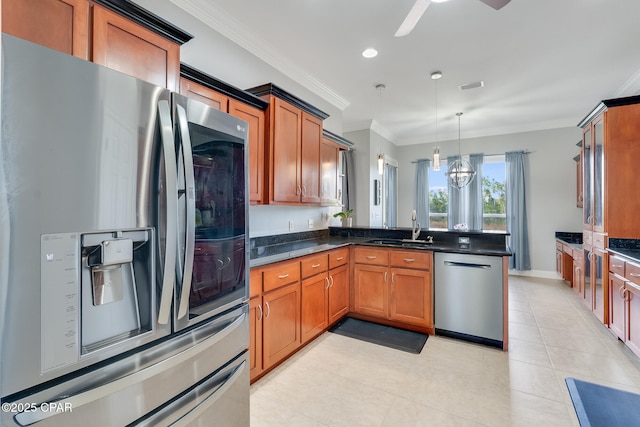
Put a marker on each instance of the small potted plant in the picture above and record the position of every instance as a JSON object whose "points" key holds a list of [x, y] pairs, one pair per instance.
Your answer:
{"points": [[345, 217]]}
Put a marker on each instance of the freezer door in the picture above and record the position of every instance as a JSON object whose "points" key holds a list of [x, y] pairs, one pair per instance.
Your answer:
{"points": [[132, 388], [222, 399]]}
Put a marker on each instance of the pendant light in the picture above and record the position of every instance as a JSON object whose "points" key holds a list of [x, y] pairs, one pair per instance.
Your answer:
{"points": [[380, 87], [435, 76], [460, 172]]}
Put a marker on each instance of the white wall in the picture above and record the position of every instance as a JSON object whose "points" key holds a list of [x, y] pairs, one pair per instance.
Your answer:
{"points": [[552, 184], [551, 195]]}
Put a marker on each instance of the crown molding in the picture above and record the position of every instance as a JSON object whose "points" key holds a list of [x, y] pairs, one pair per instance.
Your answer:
{"points": [[218, 19]]}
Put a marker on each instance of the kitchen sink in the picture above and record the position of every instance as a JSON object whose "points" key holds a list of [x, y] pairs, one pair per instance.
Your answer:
{"points": [[400, 242]]}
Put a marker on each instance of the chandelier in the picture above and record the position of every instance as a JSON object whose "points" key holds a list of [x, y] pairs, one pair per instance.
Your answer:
{"points": [[460, 172]]}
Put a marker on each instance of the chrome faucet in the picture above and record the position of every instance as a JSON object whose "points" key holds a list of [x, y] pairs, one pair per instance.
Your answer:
{"points": [[415, 233]]}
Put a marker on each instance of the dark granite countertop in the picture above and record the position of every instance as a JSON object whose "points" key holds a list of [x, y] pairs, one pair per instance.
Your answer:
{"points": [[272, 249], [629, 248]]}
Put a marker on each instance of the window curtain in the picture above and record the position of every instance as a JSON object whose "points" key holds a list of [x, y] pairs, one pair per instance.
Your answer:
{"points": [[455, 214], [348, 180], [517, 210], [422, 193], [474, 194], [391, 195]]}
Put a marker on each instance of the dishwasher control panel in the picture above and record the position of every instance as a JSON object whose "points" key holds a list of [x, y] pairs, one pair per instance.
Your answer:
{"points": [[464, 242]]}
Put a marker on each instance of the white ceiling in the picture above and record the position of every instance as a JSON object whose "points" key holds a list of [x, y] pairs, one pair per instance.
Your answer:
{"points": [[545, 63]]}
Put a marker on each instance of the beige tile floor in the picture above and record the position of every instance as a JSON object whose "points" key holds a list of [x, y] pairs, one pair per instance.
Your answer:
{"points": [[338, 381]]}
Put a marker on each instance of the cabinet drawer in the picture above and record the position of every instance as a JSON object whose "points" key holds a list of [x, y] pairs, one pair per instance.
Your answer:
{"points": [[558, 246], [280, 275], [411, 259], [616, 265], [599, 240], [314, 265], [632, 272], [338, 257], [255, 282], [371, 256], [587, 237], [577, 254]]}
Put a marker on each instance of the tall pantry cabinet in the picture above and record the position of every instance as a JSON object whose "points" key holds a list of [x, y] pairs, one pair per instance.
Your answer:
{"points": [[610, 153]]}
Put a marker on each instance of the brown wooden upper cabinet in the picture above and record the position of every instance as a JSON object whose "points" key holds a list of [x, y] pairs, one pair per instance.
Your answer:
{"points": [[140, 44], [123, 45], [62, 25], [220, 95], [292, 149]]}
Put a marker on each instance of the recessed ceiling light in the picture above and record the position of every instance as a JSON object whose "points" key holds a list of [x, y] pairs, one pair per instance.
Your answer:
{"points": [[370, 53], [473, 85], [439, 1]]}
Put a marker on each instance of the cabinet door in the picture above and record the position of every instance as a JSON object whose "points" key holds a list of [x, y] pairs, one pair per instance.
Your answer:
{"points": [[255, 336], [315, 310], [255, 118], [285, 146], [62, 25], [633, 317], [338, 293], [132, 49], [600, 283], [329, 154], [310, 158], [370, 290], [598, 175], [204, 94], [587, 178], [588, 271], [280, 324], [578, 276], [411, 299], [616, 306]]}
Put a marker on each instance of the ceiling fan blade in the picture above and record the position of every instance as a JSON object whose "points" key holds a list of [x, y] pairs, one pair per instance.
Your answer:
{"points": [[496, 4], [413, 17]]}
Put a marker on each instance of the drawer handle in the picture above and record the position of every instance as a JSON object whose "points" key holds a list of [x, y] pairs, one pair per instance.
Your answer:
{"points": [[409, 259], [315, 266], [371, 257], [340, 258], [616, 266], [283, 276], [634, 274]]}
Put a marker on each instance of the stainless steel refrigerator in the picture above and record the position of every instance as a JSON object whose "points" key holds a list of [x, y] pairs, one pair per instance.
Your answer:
{"points": [[123, 247]]}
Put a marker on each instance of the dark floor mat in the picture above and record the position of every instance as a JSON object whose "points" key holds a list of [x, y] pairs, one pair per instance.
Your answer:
{"points": [[600, 406], [388, 336]]}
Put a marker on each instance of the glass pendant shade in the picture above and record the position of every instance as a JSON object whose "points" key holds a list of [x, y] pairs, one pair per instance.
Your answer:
{"points": [[436, 159]]}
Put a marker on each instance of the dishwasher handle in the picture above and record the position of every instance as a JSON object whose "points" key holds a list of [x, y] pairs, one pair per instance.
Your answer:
{"points": [[467, 264]]}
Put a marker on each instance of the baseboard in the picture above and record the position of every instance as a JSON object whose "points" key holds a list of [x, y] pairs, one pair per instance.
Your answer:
{"points": [[542, 274]]}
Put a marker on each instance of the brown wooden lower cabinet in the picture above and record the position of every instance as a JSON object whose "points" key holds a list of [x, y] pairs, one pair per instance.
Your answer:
{"points": [[255, 336], [396, 286], [338, 293], [280, 324], [411, 297], [633, 317], [624, 302], [315, 301]]}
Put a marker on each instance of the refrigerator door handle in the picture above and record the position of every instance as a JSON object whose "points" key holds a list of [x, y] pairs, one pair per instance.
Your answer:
{"points": [[37, 414], [183, 301], [171, 187], [196, 412]]}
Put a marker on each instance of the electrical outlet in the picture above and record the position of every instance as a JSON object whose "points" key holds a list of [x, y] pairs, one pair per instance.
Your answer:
{"points": [[310, 223], [290, 225]]}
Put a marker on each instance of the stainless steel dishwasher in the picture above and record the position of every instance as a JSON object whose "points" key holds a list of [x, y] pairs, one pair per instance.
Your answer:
{"points": [[468, 294]]}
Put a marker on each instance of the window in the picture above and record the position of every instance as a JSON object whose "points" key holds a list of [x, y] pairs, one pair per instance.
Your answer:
{"points": [[493, 194]]}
